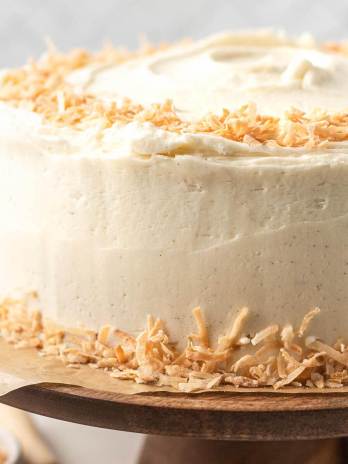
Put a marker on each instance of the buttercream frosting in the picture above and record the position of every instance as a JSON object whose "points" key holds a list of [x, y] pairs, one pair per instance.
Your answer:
{"points": [[110, 223]]}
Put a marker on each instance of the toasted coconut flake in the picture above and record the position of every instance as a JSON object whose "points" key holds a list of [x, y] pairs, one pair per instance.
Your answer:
{"points": [[306, 321], [128, 339], [103, 334], [214, 382], [174, 370], [333, 384], [155, 328], [168, 381], [196, 353], [152, 358], [292, 363], [190, 387], [290, 378], [197, 384], [127, 374], [120, 354], [107, 363], [42, 87], [317, 345], [318, 380], [287, 335], [149, 322], [245, 361], [241, 381], [296, 384], [231, 338], [202, 336], [243, 341], [314, 361], [264, 334], [281, 366], [339, 376], [255, 359]]}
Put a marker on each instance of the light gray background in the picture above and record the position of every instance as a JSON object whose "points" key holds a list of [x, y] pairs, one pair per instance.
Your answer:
{"points": [[75, 23], [72, 23]]}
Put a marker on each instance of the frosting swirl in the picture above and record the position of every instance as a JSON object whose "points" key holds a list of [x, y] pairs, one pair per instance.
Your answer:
{"points": [[228, 71], [245, 94]]}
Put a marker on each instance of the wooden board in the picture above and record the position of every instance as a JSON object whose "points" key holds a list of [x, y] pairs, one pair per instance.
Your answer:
{"points": [[224, 416]]}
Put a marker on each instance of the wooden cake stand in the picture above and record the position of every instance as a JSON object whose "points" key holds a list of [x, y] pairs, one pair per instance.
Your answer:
{"points": [[218, 427]]}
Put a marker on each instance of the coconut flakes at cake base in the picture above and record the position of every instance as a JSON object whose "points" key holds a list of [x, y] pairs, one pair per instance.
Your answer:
{"points": [[276, 357]]}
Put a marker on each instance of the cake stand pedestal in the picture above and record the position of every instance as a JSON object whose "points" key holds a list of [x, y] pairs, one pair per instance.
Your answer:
{"points": [[206, 420]]}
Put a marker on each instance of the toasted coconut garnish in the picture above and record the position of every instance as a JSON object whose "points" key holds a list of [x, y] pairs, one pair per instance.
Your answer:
{"points": [[202, 336], [287, 335], [127, 339], [104, 334], [120, 354], [264, 334], [282, 358], [197, 384], [281, 366], [290, 378], [317, 345], [196, 353], [306, 321], [42, 87], [318, 380], [227, 341], [241, 381], [291, 362], [333, 384], [336, 47], [250, 360]]}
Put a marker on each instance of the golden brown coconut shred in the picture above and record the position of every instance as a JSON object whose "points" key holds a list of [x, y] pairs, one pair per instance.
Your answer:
{"points": [[281, 358], [41, 87]]}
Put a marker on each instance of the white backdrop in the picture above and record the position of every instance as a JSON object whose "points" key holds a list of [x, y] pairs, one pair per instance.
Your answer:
{"points": [[71, 23]]}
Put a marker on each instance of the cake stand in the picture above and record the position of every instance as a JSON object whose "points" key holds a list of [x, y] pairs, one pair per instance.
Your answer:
{"points": [[216, 425]]}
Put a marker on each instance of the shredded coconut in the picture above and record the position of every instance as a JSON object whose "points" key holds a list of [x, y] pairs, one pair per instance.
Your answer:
{"points": [[41, 86], [282, 357], [307, 320]]}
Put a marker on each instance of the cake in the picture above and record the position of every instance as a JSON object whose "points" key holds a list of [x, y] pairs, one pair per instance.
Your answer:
{"points": [[207, 176]]}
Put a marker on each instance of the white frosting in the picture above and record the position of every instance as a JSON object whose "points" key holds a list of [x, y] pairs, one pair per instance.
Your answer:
{"points": [[107, 236], [224, 71], [228, 71], [112, 240]]}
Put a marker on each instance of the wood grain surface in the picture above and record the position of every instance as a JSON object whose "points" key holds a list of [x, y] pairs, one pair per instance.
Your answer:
{"points": [[219, 416], [159, 450]]}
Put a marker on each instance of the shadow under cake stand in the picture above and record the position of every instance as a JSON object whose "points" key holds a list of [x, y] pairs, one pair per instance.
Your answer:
{"points": [[253, 427]]}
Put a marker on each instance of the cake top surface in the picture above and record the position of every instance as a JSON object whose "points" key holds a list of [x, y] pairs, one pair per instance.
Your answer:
{"points": [[232, 93], [269, 70]]}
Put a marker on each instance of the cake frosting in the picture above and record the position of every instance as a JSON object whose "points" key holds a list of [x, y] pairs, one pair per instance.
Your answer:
{"points": [[228, 71], [110, 222]]}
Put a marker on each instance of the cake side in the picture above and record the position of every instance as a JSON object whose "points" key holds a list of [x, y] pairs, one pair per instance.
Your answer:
{"points": [[116, 208], [109, 241]]}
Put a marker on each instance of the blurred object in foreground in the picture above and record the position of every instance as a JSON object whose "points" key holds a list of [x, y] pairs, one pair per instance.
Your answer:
{"points": [[34, 449], [10, 450]]}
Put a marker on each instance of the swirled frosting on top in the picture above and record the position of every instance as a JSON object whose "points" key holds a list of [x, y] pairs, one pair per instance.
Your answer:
{"points": [[233, 94], [228, 71]]}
